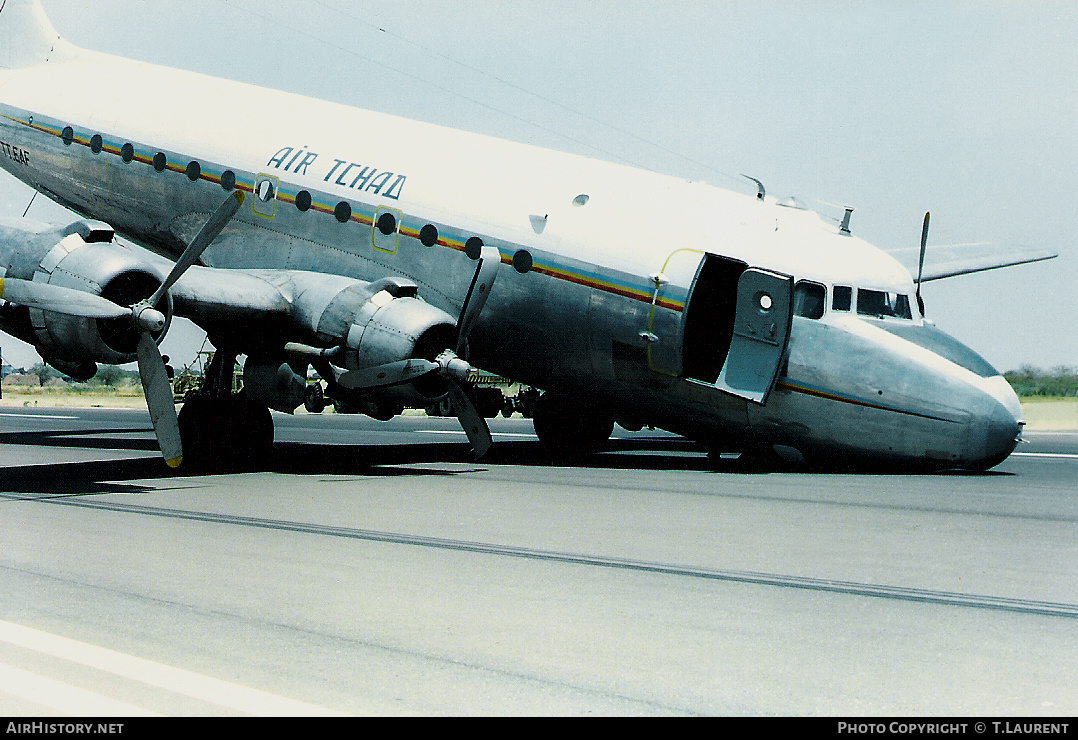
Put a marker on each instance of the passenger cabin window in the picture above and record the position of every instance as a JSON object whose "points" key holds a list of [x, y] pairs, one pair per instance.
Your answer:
{"points": [[883, 305], [842, 298], [809, 299]]}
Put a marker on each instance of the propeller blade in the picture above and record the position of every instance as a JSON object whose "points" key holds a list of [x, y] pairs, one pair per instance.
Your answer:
{"points": [[924, 243], [151, 368], [392, 373], [207, 234], [59, 299], [485, 273], [921, 263], [475, 426]]}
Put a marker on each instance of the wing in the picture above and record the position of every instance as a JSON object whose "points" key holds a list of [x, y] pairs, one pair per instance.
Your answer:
{"points": [[952, 268], [950, 260], [83, 299]]}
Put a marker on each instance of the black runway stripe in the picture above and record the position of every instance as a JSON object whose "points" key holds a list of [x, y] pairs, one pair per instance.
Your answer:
{"points": [[852, 588]]}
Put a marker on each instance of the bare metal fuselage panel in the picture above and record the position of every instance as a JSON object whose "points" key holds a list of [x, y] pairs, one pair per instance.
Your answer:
{"points": [[671, 303]]}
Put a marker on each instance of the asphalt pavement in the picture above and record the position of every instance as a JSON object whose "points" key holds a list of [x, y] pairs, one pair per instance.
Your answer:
{"points": [[374, 568]]}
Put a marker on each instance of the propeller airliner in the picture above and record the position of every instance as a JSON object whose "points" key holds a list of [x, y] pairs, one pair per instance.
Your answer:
{"points": [[394, 256]]}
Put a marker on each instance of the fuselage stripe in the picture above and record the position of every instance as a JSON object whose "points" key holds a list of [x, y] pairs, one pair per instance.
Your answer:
{"points": [[809, 390], [578, 277]]}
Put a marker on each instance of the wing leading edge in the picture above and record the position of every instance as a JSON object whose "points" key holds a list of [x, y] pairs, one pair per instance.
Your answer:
{"points": [[967, 266]]}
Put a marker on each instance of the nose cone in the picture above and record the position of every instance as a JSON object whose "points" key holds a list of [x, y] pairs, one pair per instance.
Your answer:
{"points": [[998, 427]]}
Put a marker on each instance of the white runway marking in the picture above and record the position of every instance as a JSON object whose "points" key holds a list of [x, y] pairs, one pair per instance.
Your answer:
{"points": [[1063, 455], [62, 697], [461, 432], [38, 416], [177, 680]]}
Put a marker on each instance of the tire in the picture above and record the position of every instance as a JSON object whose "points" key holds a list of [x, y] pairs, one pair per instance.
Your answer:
{"points": [[314, 399], [224, 433], [569, 428]]}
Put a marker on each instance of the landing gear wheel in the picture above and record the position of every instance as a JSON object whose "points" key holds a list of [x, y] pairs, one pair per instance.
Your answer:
{"points": [[341, 406], [224, 432], [568, 427], [252, 435], [314, 399], [195, 424]]}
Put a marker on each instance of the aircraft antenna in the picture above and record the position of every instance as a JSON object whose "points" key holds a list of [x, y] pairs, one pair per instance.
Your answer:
{"points": [[760, 191], [31, 197], [845, 226]]}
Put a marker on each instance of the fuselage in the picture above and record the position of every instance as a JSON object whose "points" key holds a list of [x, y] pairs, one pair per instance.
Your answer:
{"points": [[601, 263]]}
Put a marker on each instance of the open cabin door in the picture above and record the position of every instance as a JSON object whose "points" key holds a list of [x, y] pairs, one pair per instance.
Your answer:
{"points": [[666, 321], [736, 326]]}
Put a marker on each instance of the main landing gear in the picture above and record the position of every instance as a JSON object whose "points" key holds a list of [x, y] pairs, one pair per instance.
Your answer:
{"points": [[569, 427], [219, 428]]}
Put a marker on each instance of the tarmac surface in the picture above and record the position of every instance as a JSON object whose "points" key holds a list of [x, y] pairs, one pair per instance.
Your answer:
{"points": [[373, 568]]}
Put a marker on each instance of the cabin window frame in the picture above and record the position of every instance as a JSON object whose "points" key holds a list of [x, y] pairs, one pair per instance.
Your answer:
{"points": [[836, 291], [800, 295], [892, 301]]}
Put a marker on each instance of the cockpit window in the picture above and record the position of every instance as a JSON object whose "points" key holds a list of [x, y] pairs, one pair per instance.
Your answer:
{"points": [[842, 298], [809, 299], [880, 304]]}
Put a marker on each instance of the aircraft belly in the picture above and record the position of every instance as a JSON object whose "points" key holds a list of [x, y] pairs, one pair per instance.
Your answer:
{"points": [[843, 396]]}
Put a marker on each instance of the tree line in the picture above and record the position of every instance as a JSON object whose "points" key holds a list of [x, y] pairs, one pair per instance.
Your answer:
{"points": [[1031, 381], [108, 376], [1026, 381]]}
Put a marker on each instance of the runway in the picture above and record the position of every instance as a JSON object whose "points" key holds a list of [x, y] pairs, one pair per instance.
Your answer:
{"points": [[373, 568]]}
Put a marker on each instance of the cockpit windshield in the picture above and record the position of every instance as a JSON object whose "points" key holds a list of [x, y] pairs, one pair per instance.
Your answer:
{"points": [[879, 304]]}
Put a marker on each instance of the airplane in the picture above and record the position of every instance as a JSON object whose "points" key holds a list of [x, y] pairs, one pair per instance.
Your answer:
{"points": [[394, 257]]}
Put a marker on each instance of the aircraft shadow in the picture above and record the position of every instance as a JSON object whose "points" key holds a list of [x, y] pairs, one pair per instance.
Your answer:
{"points": [[299, 458]]}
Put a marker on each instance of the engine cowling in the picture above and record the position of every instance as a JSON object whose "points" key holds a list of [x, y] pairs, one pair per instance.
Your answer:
{"points": [[87, 259], [382, 322], [360, 325]]}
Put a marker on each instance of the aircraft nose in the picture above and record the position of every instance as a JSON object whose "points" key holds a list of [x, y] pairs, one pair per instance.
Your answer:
{"points": [[998, 428]]}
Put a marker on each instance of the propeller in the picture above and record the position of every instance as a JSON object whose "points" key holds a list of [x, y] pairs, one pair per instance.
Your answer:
{"points": [[144, 317], [921, 264], [59, 299], [206, 234], [159, 399], [449, 364], [151, 366]]}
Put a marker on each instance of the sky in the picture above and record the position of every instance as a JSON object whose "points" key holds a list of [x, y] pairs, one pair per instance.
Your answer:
{"points": [[965, 109]]}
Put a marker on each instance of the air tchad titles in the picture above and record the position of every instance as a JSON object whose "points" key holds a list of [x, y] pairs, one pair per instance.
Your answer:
{"points": [[366, 178], [953, 728]]}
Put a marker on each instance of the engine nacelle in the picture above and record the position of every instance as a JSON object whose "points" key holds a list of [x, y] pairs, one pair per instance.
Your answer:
{"points": [[382, 322], [87, 259], [386, 329]]}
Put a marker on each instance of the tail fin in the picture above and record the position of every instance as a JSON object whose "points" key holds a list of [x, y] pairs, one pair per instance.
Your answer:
{"points": [[26, 35]]}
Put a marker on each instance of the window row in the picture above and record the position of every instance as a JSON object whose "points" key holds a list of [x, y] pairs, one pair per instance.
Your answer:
{"points": [[810, 299], [265, 191]]}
